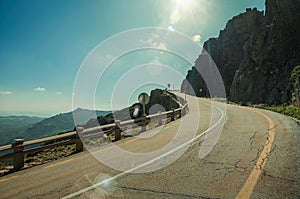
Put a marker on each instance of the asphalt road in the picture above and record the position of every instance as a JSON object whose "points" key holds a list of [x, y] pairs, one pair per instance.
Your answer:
{"points": [[257, 156]]}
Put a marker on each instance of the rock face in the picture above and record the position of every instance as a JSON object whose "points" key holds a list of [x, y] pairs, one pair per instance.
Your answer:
{"points": [[256, 54], [160, 100]]}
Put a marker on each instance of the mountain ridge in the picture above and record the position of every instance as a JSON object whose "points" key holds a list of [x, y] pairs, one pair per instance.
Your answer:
{"points": [[255, 54], [41, 127]]}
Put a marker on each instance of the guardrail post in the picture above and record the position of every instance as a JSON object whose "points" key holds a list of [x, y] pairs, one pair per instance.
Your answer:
{"points": [[18, 147], [173, 114], [184, 110], [117, 130], [144, 123], [159, 119], [79, 144], [179, 113]]}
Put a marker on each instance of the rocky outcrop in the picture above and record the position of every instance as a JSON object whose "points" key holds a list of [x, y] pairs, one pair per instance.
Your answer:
{"points": [[256, 53], [160, 100]]}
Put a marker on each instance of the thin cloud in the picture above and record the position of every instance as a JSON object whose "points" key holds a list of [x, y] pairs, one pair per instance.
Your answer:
{"points": [[40, 89], [155, 41], [196, 38], [59, 93], [6, 93]]}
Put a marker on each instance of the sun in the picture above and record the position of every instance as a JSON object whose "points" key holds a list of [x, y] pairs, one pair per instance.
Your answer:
{"points": [[185, 4], [182, 9]]}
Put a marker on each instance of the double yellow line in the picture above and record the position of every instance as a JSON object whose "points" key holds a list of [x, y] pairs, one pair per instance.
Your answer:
{"points": [[250, 183]]}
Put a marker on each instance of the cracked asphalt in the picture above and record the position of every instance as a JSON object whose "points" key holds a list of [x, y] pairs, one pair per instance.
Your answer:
{"points": [[221, 174]]}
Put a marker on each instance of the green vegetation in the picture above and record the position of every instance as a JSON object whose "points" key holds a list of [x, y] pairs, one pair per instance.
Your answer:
{"points": [[31, 159], [37, 158], [292, 109], [289, 110], [12, 126], [295, 73], [295, 84]]}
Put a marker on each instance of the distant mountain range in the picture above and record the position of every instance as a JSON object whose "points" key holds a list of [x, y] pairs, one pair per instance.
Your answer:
{"points": [[30, 128], [11, 126]]}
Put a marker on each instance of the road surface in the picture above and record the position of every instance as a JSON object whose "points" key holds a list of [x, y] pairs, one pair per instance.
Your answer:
{"points": [[256, 156]]}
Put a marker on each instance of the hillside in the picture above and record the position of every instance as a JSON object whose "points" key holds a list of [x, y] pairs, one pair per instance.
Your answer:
{"points": [[256, 54], [11, 126], [40, 127]]}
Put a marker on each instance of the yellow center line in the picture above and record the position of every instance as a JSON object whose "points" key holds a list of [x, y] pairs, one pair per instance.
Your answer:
{"points": [[250, 183], [130, 140], [59, 163], [5, 179]]}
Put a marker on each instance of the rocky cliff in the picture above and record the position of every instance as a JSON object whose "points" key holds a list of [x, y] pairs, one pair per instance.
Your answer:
{"points": [[160, 100], [255, 54]]}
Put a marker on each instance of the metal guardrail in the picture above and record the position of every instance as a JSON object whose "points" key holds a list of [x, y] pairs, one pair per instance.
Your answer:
{"points": [[18, 146]]}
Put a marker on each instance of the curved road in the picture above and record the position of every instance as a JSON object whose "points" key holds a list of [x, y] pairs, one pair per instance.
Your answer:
{"points": [[256, 156]]}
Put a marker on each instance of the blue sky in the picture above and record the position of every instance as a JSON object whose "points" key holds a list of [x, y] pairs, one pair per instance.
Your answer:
{"points": [[43, 43]]}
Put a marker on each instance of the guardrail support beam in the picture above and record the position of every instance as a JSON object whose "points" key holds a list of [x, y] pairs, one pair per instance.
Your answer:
{"points": [[117, 130], [144, 123], [180, 113], [18, 148], [79, 144], [173, 115], [159, 119]]}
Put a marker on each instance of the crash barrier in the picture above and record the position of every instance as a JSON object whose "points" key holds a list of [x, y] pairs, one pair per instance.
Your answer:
{"points": [[19, 148]]}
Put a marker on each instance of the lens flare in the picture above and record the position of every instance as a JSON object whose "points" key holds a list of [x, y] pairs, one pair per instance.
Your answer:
{"points": [[181, 9], [184, 5], [170, 28]]}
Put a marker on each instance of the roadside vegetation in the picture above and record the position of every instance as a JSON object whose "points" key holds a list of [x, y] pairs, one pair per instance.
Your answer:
{"points": [[289, 110], [295, 83], [293, 107], [47, 155]]}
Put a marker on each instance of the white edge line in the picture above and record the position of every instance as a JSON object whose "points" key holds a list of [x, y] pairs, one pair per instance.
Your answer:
{"points": [[149, 162]]}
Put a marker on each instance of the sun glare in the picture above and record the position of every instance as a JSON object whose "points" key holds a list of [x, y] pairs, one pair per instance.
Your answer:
{"points": [[185, 4], [184, 10]]}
